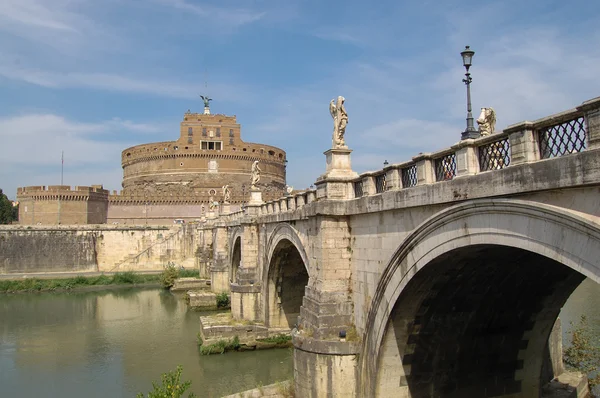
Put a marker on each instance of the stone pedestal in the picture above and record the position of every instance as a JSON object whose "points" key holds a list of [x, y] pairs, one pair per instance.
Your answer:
{"points": [[206, 110], [255, 197], [226, 208], [335, 183], [211, 215]]}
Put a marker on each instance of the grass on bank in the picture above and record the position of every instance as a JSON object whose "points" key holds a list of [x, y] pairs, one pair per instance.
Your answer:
{"points": [[120, 278]]}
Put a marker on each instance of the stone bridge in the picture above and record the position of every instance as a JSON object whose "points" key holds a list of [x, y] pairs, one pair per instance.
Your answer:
{"points": [[439, 276]]}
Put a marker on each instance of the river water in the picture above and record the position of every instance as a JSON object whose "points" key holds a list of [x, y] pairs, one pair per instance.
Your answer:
{"points": [[114, 343]]}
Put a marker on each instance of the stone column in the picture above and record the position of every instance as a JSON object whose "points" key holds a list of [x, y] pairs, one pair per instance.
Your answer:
{"points": [[325, 341], [245, 292], [425, 173], [466, 158], [591, 111], [219, 269], [524, 147]]}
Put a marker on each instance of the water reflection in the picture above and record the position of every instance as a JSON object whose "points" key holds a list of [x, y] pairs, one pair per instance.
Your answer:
{"points": [[114, 343]]}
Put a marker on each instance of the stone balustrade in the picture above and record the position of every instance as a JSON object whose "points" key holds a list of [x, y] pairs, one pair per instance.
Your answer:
{"points": [[561, 134]]}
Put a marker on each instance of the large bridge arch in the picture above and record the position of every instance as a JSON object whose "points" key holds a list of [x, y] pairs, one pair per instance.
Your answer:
{"points": [[285, 276], [436, 278]]}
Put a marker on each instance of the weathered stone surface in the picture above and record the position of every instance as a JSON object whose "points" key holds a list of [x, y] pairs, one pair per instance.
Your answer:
{"points": [[190, 284], [201, 300]]}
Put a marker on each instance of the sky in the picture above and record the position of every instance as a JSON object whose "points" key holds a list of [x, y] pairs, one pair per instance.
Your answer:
{"points": [[92, 78]]}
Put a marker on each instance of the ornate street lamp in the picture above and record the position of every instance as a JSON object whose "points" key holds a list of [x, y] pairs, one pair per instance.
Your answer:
{"points": [[470, 132]]}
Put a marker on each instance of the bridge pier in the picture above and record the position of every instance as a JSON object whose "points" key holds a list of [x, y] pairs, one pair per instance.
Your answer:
{"points": [[219, 268], [246, 289], [325, 340]]}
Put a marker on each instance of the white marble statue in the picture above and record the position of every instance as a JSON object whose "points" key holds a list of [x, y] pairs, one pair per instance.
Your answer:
{"points": [[289, 189], [340, 119], [255, 174], [486, 121], [226, 194]]}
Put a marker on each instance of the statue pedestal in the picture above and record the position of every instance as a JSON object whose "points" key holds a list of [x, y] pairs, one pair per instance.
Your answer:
{"points": [[336, 182], [210, 215], [226, 208], [206, 110], [255, 197]]}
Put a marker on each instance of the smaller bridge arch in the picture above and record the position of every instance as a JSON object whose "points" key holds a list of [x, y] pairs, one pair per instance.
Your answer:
{"points": [[235, 254], [285, 276], [460, 268]]}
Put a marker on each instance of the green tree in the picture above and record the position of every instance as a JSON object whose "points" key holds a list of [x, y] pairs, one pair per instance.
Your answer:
{"points": [[7, 214]]}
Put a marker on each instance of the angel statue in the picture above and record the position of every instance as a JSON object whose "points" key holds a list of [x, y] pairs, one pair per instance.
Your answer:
{"points": [[206, 101], [340, 119], [226, 194], [255, 174]]}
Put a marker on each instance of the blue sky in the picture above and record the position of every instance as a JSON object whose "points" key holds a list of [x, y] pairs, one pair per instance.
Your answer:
{"points": [[93, 77]]}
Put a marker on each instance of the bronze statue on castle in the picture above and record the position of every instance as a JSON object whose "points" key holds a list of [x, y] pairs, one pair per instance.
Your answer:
{"points": [[206, 101]]}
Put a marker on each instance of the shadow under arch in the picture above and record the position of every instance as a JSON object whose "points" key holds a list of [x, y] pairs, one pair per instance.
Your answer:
{"points": [[284, 278], [235, 254], [458, 272]]}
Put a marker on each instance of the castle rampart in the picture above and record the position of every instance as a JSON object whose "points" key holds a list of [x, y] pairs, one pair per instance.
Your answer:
{"points": [[61, 204]]}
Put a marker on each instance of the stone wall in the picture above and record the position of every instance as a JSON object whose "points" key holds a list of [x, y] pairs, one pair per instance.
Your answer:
{"points": [[99, 248]]}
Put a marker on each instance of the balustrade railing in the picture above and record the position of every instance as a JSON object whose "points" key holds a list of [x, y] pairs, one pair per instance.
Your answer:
{"points": [[445, 167], [380, 185], [409, 176], [494, 155], [526, 142], [358, 189], [562, 139]]}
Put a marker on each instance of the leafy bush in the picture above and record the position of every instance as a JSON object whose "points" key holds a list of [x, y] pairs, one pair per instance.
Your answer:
{"points": [[583, 354], [223, 300], [122, 278], [171, 387], [168, 276]]}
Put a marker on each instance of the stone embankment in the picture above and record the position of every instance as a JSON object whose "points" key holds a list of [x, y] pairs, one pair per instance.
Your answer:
{"points": [[94, 248], [282, 389]]}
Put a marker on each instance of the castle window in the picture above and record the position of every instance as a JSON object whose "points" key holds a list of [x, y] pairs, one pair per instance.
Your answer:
{"points": [[211, 145], [272, 153], [231, 141], [176, 147], [203, 131], [190, 131], [190, 140], [218, 131], [231, 132]]}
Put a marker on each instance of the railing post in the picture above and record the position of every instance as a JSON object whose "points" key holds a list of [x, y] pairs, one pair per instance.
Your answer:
{"points": [[424, 169], [393, 179], [524, 147], [466, 158], [368, 185], [591, 114]]}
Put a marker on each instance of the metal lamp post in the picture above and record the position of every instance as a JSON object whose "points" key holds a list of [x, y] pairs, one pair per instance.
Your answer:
{"points": [[470, 132]]}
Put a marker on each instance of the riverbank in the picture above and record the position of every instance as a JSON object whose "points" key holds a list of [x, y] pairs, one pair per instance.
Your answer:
{"points": [[27, 284]]}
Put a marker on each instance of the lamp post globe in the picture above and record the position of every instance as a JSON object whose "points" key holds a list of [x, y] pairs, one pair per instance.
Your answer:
{"points": [[467, 57]]}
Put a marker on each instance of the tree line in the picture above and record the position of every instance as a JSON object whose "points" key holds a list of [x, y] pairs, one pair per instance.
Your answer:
{"points": [[8, 212]]}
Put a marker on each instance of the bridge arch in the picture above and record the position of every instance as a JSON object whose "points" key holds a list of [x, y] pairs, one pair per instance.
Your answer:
{"points": [[466, 303], [285, 276], [235, 255]]}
